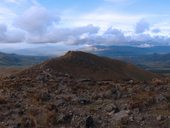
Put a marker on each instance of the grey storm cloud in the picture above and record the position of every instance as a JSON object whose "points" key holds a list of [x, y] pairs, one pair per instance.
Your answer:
{"points": [[109, 37], [142, 26], [35, 20]]}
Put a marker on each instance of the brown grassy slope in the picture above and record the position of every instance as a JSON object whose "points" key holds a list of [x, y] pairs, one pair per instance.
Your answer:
{"points": [[85, 65], [5, 71]]}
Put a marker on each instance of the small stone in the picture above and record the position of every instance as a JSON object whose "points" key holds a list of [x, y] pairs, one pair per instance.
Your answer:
{"points": [[136, 110], [84, 101], [111, 107], [60, 102], [139, 118], [130, 82], [131, 118], [159, 118], [108, 108], [108, 94], [122, 114]]}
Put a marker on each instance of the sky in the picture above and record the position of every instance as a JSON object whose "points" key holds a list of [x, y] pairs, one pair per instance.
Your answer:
{"points": [[54, 26]]}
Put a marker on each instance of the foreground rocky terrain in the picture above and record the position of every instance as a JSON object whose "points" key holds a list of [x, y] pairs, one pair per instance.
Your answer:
{"points": [[41, 97]]}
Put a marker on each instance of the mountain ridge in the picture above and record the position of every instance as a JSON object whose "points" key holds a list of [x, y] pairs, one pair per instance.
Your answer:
{"points": [[86, 65]]}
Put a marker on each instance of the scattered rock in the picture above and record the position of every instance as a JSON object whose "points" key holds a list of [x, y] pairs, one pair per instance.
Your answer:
{"points": [[120, 115]]}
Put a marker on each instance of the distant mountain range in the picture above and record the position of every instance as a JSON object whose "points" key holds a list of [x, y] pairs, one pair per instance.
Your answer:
{"points": [[156, 59], [9, 60], [101, 49], [127, 51]]}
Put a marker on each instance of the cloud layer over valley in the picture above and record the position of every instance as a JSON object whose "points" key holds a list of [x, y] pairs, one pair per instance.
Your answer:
{"points": [[36, 22]]}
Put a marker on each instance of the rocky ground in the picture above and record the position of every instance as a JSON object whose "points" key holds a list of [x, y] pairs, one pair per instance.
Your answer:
{"points": [[59, 100]]}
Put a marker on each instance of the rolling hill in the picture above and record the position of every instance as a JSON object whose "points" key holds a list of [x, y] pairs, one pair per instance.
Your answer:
{"points": [[85, 65], [155, 59], [14, 60]]}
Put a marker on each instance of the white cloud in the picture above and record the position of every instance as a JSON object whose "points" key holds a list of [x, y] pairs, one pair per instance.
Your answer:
{"points": [[6, 15], [3, 30], [142, 26], [37, 25], [90, 48], [145, 45], [103, 19], [15, 36], [156, 30], [35, 20], [114, 36], [10, 36], [65, 35]]}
